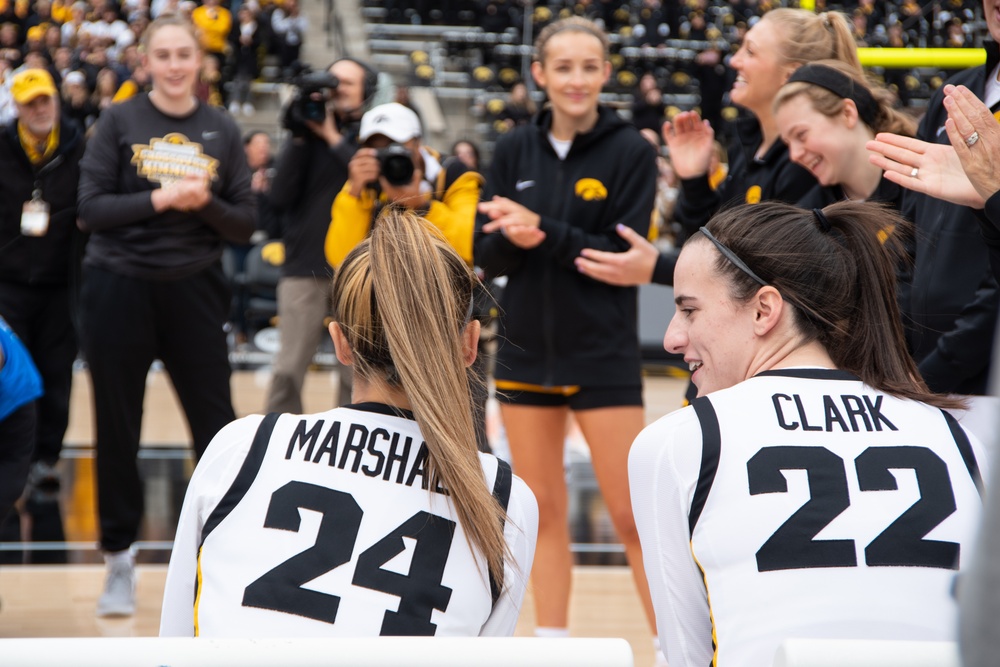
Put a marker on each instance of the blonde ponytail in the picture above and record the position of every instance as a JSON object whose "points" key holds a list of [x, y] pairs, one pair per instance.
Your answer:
{"points": [[402, 298], [805, 37]]}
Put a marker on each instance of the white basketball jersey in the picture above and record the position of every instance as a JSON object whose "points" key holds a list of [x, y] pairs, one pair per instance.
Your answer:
{"points": [[326, 526], [802, 503]]}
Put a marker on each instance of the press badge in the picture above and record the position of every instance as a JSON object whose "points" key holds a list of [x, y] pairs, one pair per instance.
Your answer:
{"points": [[35, 216]]}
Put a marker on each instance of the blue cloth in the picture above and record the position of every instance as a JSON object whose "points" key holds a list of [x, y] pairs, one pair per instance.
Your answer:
{"points": [[20, 382]]}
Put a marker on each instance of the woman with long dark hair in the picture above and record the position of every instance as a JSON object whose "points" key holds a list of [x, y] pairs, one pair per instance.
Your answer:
{"points": [[816, 487]]}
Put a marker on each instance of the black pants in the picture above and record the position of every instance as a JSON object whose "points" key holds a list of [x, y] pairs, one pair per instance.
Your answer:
{"points": [[17, 435], [40, 316], [127, 323]]}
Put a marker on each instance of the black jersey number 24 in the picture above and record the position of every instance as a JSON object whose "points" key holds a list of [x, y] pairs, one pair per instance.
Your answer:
{"points": [[902, 543], [420, 590]]}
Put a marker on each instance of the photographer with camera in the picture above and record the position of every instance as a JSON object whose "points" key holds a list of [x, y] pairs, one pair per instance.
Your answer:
{"points": [[394, 167], [311, 168]]}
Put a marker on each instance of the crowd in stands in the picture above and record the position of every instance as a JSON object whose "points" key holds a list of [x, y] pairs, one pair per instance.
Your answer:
{"points": [[91, 47], [652, 22]]}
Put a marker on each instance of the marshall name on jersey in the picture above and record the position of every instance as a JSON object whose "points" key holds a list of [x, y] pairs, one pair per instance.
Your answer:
{"points": [[325, 525], [802, 503], [374, 452]]}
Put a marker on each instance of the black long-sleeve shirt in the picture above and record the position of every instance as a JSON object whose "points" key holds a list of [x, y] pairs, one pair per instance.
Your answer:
{"points": [[749, 180], [135, 148]]}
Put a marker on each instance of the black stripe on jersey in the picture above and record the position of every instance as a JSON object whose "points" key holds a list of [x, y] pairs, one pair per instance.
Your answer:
{"points": [[501, 491], [382, 409], [810, 374], [965, 448], [245, 477], [711, 444]]}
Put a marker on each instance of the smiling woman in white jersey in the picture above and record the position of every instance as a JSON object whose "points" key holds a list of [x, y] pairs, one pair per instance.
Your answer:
{"points": [[815, 488], [294, 525]]}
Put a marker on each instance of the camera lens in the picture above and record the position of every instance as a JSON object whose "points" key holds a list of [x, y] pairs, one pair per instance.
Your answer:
{"points": [[398, 170], [396, 164]]}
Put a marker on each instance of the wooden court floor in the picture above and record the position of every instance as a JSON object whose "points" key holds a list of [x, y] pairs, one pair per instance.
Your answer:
{"points": [[59, 600]]}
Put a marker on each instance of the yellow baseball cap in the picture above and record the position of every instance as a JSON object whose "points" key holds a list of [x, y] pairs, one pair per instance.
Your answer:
{"points": [[32, 83]]}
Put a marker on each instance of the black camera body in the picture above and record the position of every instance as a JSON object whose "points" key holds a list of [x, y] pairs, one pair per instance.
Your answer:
{"points": [[309, 102], [396, 164]]}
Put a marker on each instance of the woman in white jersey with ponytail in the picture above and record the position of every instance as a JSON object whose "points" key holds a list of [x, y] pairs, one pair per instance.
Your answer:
{"points": [[292, 524], [815, 488]]}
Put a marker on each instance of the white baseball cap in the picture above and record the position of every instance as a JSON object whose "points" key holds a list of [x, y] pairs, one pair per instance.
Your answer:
{"points": [[393, 120], [75, 77]]}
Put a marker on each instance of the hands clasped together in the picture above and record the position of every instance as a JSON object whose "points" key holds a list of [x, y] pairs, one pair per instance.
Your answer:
{"points": [[191, 193]]}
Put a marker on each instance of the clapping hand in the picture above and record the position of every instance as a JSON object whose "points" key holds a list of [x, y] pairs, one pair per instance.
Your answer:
{"points": [[975, 136], [517, 223], [691, 141]]}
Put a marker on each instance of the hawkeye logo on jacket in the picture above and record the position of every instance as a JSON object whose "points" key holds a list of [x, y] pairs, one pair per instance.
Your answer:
{"points": [[171, 158], [591, 189], [753, 194]]}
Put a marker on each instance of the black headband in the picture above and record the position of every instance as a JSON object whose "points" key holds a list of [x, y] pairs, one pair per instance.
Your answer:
{"points": [[822, 221], [731, 256], [840, 85]]}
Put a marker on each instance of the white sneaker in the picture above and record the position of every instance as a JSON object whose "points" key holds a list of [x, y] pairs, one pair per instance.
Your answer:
{"points": [[248, 109], [118, 598], [234, 108]]}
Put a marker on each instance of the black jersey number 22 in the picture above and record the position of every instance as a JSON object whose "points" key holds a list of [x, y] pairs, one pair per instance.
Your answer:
{"points": [[420, 590], [902, 543]]}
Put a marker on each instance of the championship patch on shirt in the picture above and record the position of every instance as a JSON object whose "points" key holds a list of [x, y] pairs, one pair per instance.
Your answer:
{"points": [[171, 158]]}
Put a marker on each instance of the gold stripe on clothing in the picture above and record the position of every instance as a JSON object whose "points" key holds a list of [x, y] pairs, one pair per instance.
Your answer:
{"points": [[510, 385]]}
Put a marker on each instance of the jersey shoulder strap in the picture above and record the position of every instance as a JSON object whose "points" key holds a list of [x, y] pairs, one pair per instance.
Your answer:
{"points": [[501, 491], [711, 446], [965, 449], [245, 477]]}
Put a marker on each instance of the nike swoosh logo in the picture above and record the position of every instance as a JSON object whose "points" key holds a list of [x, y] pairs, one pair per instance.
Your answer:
{"points": [[523, 185], [210, 135], [940, 130]]}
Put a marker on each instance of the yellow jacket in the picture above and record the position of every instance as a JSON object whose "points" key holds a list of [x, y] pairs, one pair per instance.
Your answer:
{"points": [[214, 24], [127, 90], [452, 210]]}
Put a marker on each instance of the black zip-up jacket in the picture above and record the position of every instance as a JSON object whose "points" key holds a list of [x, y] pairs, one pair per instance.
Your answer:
{"points": [[952, 309], [749, 180], [886, 192], [308, 175], [989, 225], [49, 259], [560, 327]]}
